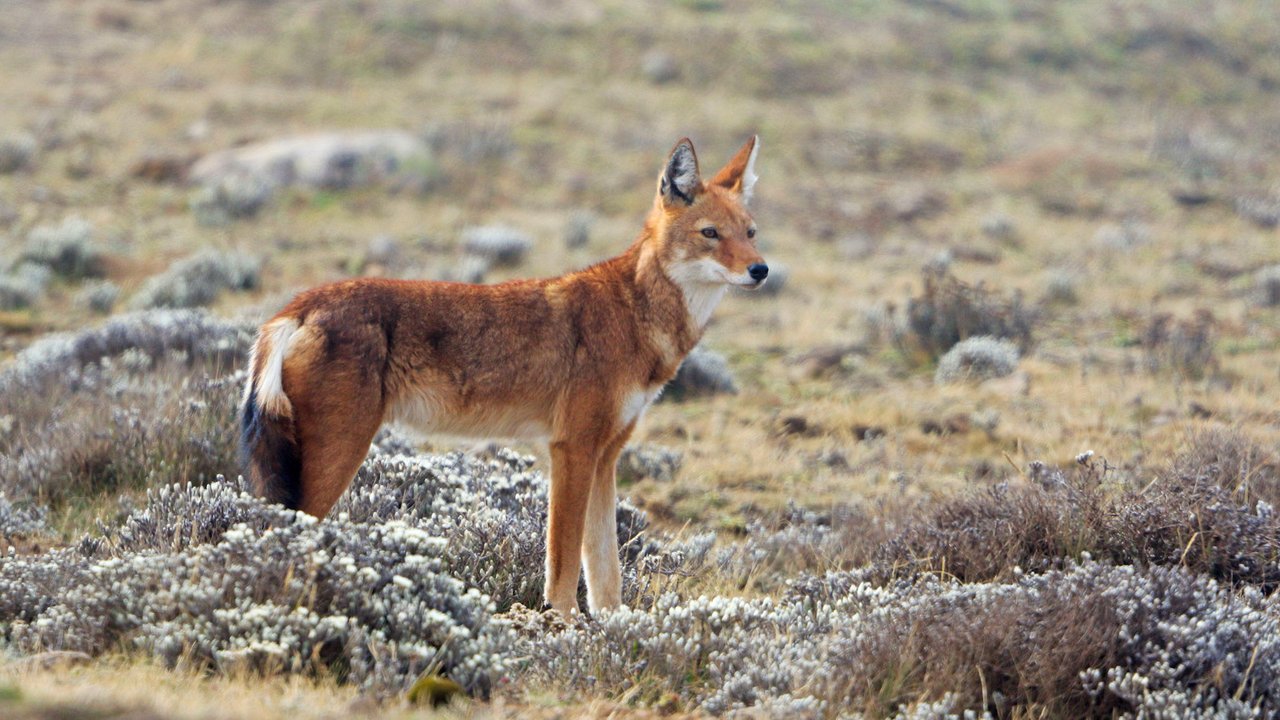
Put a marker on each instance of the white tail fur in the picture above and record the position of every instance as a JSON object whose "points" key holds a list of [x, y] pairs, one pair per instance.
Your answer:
{"points": [[273, 341]]}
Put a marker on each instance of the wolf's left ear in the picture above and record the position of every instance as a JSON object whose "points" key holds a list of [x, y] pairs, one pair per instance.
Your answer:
{"points": [[739, 175], [680, 180]]}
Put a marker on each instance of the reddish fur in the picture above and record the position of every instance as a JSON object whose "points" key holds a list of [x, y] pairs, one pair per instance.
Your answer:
{"points": [[556, 358]]}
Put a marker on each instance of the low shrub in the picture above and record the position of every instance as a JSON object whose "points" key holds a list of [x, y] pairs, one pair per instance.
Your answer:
{"points": [[67, 249], [20, 519], [145, 396], [638, 462], [195, 336], [1091, 640], [1209, 511], [271, 592], [199, 280], [1184, 347], [23, 286], [500, 244], [235, 196], [98, 297], [977, 358], [212, 576]]}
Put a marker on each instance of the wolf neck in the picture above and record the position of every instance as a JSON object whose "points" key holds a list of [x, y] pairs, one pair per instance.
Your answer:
{"points": [[700, 300], [676, 309]]}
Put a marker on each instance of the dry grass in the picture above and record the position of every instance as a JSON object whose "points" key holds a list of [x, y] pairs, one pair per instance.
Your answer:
{"points": [[124, 689]]}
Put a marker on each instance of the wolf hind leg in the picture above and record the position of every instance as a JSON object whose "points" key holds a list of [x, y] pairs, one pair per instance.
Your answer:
{"points": [[338, 407]]}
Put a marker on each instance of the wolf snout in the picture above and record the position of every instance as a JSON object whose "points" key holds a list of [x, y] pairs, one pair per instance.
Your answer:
{"points": [[758, 272]]}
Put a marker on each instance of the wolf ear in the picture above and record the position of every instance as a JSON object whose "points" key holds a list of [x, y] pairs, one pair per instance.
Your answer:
{"points": [[680, 181], [739, 174]]}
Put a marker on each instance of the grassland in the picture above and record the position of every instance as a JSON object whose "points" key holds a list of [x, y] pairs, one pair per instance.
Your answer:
{"points": [[1110, 165]]}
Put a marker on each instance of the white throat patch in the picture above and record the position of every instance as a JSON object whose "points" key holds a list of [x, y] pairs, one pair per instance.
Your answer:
{"points": [[703, 283]]}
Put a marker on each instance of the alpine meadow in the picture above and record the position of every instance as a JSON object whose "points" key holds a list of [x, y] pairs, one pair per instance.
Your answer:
{"points": [[998, 436]]}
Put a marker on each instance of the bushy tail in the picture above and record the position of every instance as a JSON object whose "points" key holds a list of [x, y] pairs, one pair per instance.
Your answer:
{"points": [[268, 441]]}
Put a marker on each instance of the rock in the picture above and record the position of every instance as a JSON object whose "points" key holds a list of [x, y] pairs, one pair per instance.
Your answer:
{"points": [[327, 160], [660, 67], [703, 372], [80, 162], [17, 152]]}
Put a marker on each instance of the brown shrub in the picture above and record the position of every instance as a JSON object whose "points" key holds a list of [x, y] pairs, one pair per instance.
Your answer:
{"points": [[1185, 347], [1208, 511], [949, 311]]}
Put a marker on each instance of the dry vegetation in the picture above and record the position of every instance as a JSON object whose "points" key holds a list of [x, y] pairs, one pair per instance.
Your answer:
{"points": [[1002, 442]]}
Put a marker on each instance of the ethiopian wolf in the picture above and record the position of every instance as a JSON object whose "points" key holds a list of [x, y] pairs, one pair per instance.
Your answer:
{"points": [[573, 360]]}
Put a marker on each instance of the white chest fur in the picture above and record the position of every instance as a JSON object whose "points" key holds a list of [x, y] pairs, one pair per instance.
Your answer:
{"points": [[635, 403]]}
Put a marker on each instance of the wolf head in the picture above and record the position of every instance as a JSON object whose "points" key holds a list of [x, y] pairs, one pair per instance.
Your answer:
{"points": [[704, 232]]}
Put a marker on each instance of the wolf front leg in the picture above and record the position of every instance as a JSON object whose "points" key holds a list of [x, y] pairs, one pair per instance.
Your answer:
{"points": [[600, 546], [573, 466]]}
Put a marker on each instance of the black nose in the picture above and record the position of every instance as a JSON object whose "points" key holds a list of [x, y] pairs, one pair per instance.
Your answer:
{"points": [[758, 272]]}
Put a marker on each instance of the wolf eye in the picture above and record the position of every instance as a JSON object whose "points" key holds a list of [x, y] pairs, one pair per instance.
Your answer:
{"points": [[751, 232], [710, 232]]}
